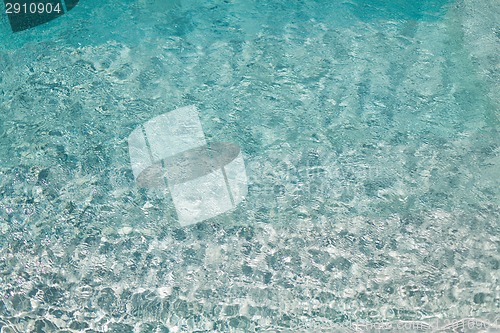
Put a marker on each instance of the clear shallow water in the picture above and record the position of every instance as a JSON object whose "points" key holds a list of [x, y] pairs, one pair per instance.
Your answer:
{"points": [[371, 146]]}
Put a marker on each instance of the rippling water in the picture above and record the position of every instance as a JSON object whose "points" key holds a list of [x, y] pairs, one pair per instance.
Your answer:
{"points": [[370, 135]]}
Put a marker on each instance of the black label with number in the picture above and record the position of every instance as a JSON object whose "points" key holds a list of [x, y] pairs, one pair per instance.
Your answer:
{"points": [[25, 14]]}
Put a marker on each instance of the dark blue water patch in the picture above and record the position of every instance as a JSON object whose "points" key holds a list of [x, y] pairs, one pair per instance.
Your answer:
{"points": [[415, 10], [88, 24]]}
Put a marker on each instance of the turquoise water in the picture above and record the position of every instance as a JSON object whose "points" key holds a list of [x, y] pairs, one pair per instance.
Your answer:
{"points": [[370, 133]]}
